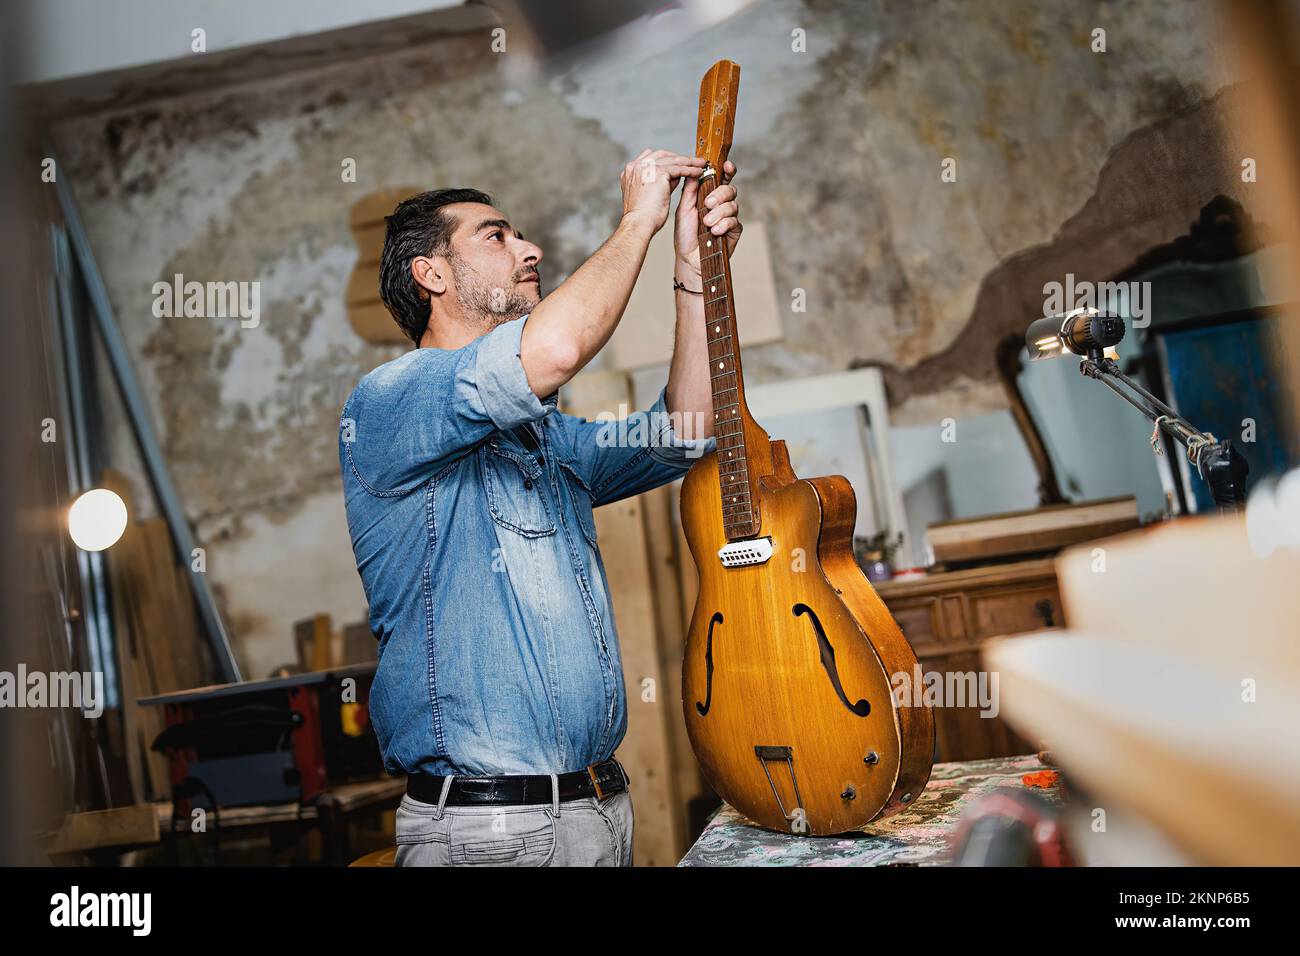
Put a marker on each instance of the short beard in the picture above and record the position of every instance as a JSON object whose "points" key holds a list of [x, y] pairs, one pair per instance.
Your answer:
{"points": [[483, 304]]}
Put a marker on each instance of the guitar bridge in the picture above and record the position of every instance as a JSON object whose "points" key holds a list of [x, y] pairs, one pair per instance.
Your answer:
{"points": [[740, 553]]}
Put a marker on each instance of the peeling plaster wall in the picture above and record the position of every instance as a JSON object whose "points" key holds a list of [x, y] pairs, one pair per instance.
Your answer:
{"points": [[839, 149]]}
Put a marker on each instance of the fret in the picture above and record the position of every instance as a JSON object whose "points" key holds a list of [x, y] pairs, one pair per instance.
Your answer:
{"points": [[720, 344]]}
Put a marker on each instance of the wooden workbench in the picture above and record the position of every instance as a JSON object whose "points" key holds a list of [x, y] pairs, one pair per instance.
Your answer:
{"points": [[147, 824]]}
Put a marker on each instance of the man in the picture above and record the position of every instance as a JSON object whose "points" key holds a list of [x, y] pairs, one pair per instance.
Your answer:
{"points": [[469, 500]]}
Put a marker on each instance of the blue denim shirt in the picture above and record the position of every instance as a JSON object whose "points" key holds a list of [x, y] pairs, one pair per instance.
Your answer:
{"points": [[497, 647]]}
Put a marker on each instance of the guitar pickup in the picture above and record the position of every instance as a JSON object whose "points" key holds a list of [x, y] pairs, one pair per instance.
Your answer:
{"points": [[740, 553]]}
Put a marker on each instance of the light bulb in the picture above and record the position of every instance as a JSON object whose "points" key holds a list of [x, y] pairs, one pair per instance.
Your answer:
{"points": [[97, 519]]}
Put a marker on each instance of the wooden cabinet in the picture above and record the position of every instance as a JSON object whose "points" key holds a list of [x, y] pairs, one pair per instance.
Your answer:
{"points": [[946, 616]]}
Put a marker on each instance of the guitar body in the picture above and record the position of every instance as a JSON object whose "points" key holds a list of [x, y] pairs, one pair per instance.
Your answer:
{"points": [[786, 681], [785, 653]]}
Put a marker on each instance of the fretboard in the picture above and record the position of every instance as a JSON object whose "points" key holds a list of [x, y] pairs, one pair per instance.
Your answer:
{"points": [[734, 472]]}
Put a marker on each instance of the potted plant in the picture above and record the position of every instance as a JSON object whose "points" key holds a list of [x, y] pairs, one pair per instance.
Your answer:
{"points": [[875, 554]]}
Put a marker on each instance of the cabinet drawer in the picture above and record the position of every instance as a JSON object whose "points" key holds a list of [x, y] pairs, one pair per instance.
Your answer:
{"points": [[917, 620], [1013, 611]]}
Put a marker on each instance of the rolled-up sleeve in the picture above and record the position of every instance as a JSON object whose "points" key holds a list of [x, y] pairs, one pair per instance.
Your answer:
{"points": [[409, 417], [502, 385], [635, 454], [670, 448]]}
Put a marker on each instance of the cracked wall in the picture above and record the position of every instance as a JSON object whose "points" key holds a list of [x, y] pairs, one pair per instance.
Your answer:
{"points": [[839, 149]]}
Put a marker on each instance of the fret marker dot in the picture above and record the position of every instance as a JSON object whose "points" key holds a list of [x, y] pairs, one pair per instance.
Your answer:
{"points": [[709, 243], [713, 288], [717, 328], [720, 365]]}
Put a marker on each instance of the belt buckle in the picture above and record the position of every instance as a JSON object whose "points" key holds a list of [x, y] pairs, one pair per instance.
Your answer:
{"points": [[600, 794]]}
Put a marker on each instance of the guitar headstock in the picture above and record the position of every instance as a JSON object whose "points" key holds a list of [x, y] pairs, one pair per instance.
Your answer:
{"points": [[717, 113]]}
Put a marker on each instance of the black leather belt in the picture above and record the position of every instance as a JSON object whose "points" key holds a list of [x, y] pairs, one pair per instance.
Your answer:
{"points": [[600, 780]]}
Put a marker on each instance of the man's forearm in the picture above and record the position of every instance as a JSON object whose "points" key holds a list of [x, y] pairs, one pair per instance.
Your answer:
{"points": [[574, 322], [690, 395]]}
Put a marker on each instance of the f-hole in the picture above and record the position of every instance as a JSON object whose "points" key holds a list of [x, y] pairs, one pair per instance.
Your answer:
{"points": [[862, 707], [703, 709]]}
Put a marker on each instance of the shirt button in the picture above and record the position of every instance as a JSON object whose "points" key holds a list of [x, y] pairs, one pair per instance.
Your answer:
{"points": [[541, 461], [528, 483]]}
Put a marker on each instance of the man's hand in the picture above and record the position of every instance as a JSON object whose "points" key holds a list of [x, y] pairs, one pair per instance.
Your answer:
{"points": [[649, 180], [569, 326], [722, 218]]}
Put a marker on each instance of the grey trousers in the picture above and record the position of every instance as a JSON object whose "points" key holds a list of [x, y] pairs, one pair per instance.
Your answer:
{"points": [[583, 832]]}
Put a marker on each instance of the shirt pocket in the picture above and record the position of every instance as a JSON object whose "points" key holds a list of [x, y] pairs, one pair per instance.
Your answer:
{"points": [[514, 486], [582, 501]]}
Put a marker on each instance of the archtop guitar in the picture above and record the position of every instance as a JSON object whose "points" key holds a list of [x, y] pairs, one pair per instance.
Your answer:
{"points": [[786, 679]]}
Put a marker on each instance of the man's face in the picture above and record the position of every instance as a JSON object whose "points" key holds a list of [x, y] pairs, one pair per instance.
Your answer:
{"points": [[494, 269]]}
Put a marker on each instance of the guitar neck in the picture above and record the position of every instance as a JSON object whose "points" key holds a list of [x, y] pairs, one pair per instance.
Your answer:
{"points": [[726, 378], [736, 476]]}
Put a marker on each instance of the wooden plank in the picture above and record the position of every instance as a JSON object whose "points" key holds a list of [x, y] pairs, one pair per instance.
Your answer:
{"points": [[1020, 572], [159, 647], [366, 312], [311, 638], [373, 207], [1170, 696], [122, 826], [646, 749], [374, 323], [359, 644], [665, 574], [1039, 529]]}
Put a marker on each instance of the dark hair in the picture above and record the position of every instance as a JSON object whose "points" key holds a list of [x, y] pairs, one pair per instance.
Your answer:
{"points": [[417, 227]]}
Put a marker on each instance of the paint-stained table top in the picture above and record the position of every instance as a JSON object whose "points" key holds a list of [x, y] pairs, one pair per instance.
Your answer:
{"points": [[917, 837]]}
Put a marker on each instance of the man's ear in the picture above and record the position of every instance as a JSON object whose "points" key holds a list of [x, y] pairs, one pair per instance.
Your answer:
{"points": [[430, 273]]}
